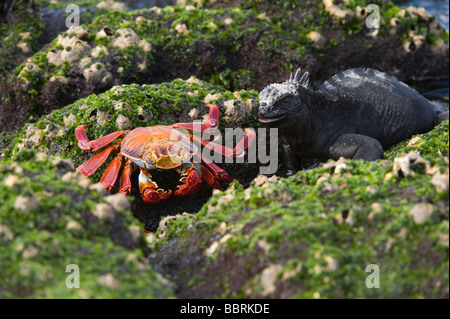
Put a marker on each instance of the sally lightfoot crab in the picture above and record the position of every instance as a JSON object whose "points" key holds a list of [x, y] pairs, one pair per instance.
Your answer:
{"points": [[160, 147]]}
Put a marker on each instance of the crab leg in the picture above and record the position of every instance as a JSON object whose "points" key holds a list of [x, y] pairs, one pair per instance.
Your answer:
{"points": [[109, 177], [191, 179], [150, 192], [210, 178], [88, 168], [125, 180], [82, 138], [213, 121], [86, 145], [213, 173], [239, 149], [243, 144]]}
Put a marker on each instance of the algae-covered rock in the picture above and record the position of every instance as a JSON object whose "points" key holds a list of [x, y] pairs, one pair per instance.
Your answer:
{"points": [[322, 233], [247, 45], [431, 144], [20, 28], [136, 106], [341, 229], [52, 221], [126, 107]]}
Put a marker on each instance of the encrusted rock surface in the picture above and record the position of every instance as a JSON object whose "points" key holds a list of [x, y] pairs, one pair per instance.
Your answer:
{"points": [[311, 235]]}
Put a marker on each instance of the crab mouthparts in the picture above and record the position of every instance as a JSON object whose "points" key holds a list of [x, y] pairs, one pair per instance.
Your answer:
{"points": [[273, 119], [167, 162]]}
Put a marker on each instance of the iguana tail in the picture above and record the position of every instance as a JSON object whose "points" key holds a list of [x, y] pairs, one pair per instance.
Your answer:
{"points": [[442, 113]]}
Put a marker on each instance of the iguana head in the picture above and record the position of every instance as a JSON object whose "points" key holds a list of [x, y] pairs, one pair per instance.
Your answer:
{"points": [[279, 100]]}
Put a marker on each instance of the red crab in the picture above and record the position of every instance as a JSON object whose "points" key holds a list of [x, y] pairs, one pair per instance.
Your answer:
{"points": [[160, 147]]}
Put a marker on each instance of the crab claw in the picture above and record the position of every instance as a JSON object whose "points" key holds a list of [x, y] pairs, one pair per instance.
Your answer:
{"points": [[155, 196], [150, 192], [191, 179]]}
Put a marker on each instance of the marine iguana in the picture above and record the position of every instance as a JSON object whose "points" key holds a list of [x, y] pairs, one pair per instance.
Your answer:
{"points": [[354, 114]]}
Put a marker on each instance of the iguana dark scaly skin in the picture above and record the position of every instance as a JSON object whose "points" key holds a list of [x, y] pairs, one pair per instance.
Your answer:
{"points": [[354, 114]]}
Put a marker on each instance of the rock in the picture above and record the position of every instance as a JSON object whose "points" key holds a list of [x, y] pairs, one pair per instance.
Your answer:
{"points": [[122, 122], [136, 234], [137, 30], [78, 31], [102, 117], [73, 50], [64, 163], [99, 188], [124, 38], [99, 50], [212, 249], [97, 74], [406, 165], [59, 78], [268, 278], [69, 176], [414, 141], [73, 224], [30, 252], [335, 11], [194, 113], [193, 79], [83, 181], [418, 13], [105, 32], [109, 281], [29, 68], [118, 202], [212, 97], [5, 233], [421, 212], [317, 38], [444, 239], [332, 263], [338, 166], [261, 181], [25, 204], [236, 112], [111, 4], [305, 233], [145, 45], [440, 182], [11, 180], [181, 28], [146, 115], [104, 211], [63, 222]]}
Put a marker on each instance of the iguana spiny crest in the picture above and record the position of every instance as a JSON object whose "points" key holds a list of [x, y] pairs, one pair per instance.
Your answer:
{"points": [[277, 91]]}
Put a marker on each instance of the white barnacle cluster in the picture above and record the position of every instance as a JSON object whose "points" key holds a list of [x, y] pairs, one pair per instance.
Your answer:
{"points": [[75, 50], [276, 91]]}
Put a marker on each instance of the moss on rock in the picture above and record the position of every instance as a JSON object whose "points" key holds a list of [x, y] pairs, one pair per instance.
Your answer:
{"points": [[145, 105], [248, 45], [430, 145], [314, 234], [20, 28], [126, 107], [51, 218]]}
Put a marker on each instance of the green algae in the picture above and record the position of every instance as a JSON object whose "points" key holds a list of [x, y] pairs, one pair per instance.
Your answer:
{"points": [[145, 105], [26, 31], [57, 228], [218, 44], [319, 230], [322, 234], [430, 145]]}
